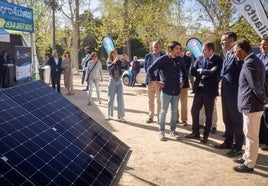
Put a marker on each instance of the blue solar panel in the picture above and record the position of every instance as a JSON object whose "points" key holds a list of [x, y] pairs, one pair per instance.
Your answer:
{"points": [[10, 176], [45, 140], [59, 113]]}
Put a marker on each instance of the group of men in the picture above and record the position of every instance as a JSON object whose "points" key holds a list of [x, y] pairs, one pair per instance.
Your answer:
{"points": [[243, 93]]}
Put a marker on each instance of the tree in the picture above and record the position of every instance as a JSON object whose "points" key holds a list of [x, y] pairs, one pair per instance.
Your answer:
{"points": [[73, 16]]}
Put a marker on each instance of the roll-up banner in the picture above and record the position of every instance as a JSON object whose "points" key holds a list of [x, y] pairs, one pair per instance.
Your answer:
{"points": [[108, 44], [254, 13]]}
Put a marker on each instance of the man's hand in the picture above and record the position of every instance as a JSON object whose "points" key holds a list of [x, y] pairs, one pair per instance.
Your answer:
{"points": [[160, 84], [214, 68], [199, 70], [181, 85]]}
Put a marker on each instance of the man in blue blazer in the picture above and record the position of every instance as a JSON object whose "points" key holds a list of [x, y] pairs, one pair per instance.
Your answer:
{"points": [[263, 56], [251, 100], [55, 65], [206, 71], [232, 118], [152, 88]]}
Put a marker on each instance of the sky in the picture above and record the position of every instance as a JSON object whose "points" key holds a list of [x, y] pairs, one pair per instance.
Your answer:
{"points": [[94, 4]]}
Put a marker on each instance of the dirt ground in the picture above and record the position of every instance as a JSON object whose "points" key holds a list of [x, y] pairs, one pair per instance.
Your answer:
{"points": [[172, 162]]}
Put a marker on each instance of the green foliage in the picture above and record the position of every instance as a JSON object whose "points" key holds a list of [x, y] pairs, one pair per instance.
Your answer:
{"points": [[245, 31], [134, 24]]}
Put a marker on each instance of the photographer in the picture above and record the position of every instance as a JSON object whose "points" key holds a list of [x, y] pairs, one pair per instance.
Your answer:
{"points": [[116, 66]]}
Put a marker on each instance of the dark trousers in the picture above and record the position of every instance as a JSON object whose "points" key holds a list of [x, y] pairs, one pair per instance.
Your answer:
{"points": [[3, 78], [233, 121], [263, 135], [83, 79], [134, 75], [55, 80], [201, 99]]}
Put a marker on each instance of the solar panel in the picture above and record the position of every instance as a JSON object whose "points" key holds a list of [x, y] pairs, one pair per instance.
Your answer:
{"points": [[46, 140], [39, 153], [59, 113], [10, 176]]}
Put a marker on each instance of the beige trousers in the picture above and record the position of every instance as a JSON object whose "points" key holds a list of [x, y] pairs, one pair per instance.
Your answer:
{"points": [[153, 91], [251, 128], [183, 105]]}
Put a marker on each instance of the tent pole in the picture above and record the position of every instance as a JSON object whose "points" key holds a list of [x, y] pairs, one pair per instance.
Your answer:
{"points": [[34, 62]]}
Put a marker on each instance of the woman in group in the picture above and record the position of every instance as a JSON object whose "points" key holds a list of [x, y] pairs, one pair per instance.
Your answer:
{"points": [[94, 76], [116, 66], [67, 72]]}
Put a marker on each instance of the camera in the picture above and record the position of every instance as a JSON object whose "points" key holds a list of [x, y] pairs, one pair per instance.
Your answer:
{"points": [[121, 57]]}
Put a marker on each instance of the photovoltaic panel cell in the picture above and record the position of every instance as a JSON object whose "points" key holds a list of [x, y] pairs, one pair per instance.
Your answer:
{"points": [[10, 176], [32, 153], [60, 114]]}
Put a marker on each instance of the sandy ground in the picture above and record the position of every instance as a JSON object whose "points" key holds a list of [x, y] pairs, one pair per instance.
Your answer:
{"points": [[172, 162]]}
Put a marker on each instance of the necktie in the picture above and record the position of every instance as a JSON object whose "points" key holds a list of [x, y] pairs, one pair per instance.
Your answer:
{"points": [[206, 63]]}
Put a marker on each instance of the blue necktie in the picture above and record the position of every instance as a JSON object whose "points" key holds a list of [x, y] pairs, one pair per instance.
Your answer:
{"points": [[206, 63]]}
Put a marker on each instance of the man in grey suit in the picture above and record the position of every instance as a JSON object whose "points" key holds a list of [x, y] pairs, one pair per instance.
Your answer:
{"points": [[251, 100]]}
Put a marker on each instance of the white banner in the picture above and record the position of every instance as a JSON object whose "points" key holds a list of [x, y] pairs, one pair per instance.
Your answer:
{"points": [[5, 38], [254, 13]]}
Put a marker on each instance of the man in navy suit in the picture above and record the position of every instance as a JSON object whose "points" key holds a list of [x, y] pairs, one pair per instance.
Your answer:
{"points": [[263, 56], [4, 60], [232, 118], [251, 100], [55, 64], [206, 71]]}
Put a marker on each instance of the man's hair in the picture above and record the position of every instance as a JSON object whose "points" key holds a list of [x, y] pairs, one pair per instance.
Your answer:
{"points": [[87, 48], [210, 45], [265, 38], [244, 45], [156, 42], [231, 35], [173, 44]]}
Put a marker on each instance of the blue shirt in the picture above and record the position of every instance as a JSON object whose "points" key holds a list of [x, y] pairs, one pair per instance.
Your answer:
{"points": [[172, 72], [264, 58], [149, 60]]}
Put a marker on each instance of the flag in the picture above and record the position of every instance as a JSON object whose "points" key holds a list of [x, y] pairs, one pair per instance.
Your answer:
{"points": [[254, 13], [195, 46], [108, 44]]}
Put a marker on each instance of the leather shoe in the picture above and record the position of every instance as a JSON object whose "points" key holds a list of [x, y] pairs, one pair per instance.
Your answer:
{"points": [[204, 140], [223, 146], [233, 153], [192, 136], [243, 168], [213, 130], [264, 147], [150, 120], [239, 160]]}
